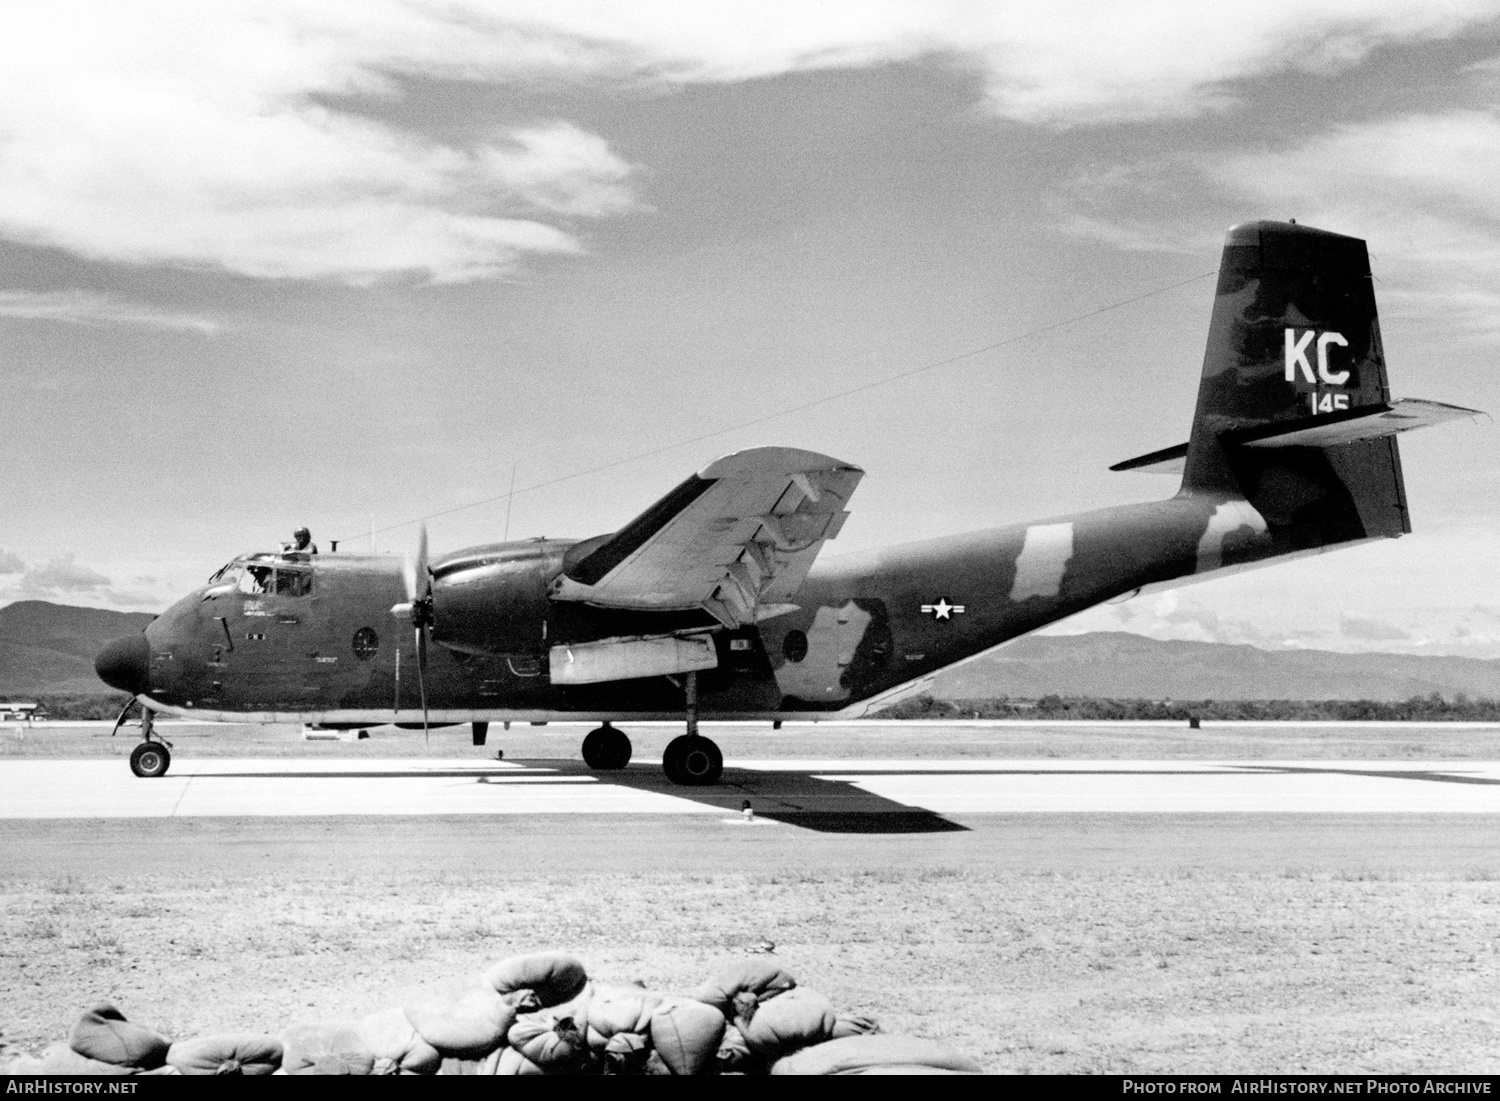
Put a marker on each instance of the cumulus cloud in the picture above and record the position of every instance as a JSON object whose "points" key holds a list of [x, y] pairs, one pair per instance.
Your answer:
{"points": [[191, 135], [62, 575], [10, 563], [173, 132], [1423, 182], [85, 308]]}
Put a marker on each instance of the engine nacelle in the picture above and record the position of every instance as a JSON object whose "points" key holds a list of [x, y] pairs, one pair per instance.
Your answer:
{"points": [[493, 600]]}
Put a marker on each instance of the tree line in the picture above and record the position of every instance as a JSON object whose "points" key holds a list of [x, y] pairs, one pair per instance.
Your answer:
{"points": [[1431, 708]]}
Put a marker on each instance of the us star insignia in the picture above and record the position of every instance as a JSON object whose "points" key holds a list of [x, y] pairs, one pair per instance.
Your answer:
{"points": [[942, 609]]}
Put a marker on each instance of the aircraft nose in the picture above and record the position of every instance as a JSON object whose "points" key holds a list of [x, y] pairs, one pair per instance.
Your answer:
{"points": [[124, 663]]}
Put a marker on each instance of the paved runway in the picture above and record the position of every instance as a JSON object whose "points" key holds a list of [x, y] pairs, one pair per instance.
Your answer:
{"points": [[906, 794], [212, 818]]}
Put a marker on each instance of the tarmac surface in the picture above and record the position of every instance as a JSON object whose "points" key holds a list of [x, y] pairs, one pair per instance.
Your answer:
{"points": [[783, 789], [229, 816]]}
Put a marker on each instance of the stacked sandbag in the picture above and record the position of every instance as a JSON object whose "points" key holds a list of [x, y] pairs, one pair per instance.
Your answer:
{"points": [[618, 1027], [467, 1018], [686, 1035], [536, 1014], [549, 1043], [469, 1022], [760, 977], [102, 1043], [552, 977], [243, 1053], [615, 1030], [866, 1054], [328, 1047], [769, 1016], [104, 1035]]}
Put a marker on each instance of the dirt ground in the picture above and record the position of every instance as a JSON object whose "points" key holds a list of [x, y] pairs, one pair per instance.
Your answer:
{"points": [[1184, 972], [1187, 964]]}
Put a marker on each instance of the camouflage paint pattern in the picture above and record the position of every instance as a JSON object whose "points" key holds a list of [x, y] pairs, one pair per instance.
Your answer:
{"points": [[1294, 336]]}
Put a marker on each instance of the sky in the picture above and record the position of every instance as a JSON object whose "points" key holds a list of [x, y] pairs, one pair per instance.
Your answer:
{"points": [[351, 264]]}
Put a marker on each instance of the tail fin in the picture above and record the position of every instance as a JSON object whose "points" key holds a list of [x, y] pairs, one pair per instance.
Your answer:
{"points": [[1294, 351]]}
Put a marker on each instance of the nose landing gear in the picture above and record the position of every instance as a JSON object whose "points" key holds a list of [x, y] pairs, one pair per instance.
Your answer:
{"points": [[153, 756], [150, 759]]}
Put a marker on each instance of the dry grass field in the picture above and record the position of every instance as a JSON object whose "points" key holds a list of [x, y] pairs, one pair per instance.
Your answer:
{"points": [[1116, 972], [1377, 966]]}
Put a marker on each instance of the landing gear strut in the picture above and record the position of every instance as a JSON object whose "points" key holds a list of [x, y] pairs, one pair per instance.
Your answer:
{"points": [[692, 759], [152, 757], [606, 749]]}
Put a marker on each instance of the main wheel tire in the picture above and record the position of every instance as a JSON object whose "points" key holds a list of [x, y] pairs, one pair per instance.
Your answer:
{"points": [[671, 757], [150, 759], [693, 761], [596, 748], [618, 749], [606, 749]]}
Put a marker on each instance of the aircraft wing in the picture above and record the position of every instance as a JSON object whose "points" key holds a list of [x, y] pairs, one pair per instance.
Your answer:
{"points": [[736, 539]]}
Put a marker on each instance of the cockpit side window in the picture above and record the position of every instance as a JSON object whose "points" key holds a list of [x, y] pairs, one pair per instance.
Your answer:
{"points": [[293, 582], [257, 579]]}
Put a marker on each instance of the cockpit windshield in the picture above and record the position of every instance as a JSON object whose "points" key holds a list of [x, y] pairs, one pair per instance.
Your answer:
{"points": [[253, 574]]}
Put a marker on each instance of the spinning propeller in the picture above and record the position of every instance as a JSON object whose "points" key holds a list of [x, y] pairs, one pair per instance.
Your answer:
{"points": [[418, 609]]}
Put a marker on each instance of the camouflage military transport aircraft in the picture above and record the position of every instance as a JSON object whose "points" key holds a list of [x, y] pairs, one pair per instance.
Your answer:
{"points": [[710, 603]]}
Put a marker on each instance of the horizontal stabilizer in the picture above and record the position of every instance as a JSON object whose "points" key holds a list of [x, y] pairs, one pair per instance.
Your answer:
{"points": [[1169, 460], [1351, 425]]}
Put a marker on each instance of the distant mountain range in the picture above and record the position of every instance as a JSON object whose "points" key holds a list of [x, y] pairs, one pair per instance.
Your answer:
{"points": [[48, 649], [1118, 665]]}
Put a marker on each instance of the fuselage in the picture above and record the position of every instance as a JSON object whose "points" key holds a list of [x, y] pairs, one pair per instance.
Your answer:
{"points": [[315, 640]]}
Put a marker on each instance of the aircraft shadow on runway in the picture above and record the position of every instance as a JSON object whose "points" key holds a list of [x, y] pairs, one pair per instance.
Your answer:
{"points": [[805, 799], [795, 797]]}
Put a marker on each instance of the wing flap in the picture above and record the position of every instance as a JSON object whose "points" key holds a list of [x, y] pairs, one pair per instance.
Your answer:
{"points": [[738, 536]]}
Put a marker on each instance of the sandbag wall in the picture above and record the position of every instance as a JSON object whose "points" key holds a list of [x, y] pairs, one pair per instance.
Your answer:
{"points": [[533, 1014]]}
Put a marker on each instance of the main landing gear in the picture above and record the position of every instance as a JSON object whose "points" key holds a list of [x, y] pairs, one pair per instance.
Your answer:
{"points": [[153, 756], [691, 760]]}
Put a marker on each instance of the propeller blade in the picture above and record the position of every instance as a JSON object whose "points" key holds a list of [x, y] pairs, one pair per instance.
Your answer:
{"points": [[423, 588], [409, 576], [421, 633], [419, 589]]}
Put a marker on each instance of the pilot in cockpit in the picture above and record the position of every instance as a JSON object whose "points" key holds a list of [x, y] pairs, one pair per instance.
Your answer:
{"points": [[301, 544]]}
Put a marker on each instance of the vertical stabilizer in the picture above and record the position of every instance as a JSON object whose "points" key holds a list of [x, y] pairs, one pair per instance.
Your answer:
{"points": [[1295, 339]]}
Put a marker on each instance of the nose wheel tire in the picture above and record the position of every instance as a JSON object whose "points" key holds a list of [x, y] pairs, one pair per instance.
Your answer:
{"points": [[693, 761], [606, 749], [150, 759]]}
